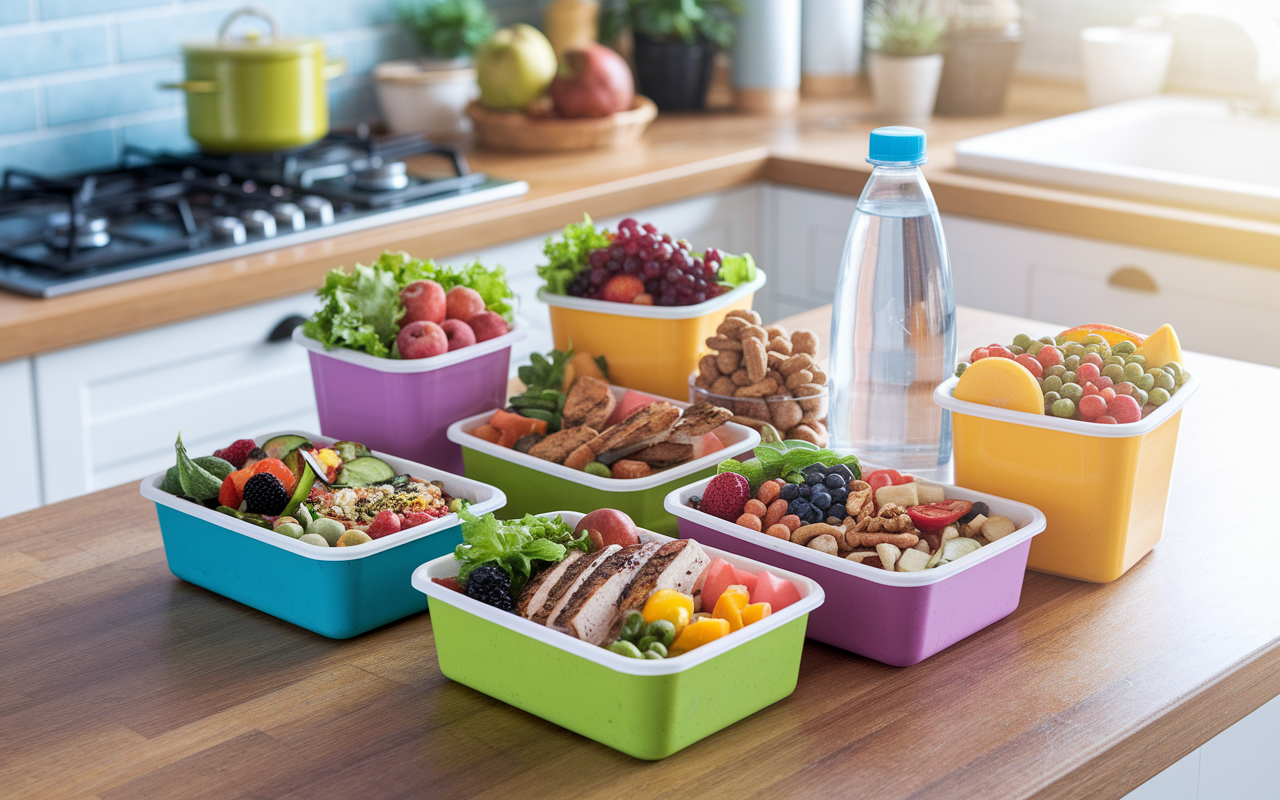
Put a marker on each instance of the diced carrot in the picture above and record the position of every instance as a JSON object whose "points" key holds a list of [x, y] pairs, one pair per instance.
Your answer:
{"points": [[488, 433], [513, 426]]}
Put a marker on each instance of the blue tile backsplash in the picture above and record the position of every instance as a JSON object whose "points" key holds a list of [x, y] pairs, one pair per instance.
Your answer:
{"points": [[78, 78]]}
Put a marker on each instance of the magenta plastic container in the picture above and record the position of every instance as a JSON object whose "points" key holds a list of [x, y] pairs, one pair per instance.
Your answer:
{"points": [[405, 407], [898, 618]]}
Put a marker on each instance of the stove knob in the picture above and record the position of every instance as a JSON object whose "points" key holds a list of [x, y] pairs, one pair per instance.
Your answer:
{"points": [[317, 208], [228, 229], [289, 217], [259, 222]]}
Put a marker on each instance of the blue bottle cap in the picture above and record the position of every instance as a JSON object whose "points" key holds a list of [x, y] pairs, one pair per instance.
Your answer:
{"points": [[897, 144]]}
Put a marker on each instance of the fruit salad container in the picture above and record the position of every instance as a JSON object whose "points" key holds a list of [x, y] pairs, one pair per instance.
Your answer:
{"points": [[530, 482], [897, 618], [648, 709], [1102, 488], [405, 406], [337, 592], [649, 348]]}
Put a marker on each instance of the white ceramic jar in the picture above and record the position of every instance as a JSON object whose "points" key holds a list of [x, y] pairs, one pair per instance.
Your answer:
{"points": [[766, 57], [830, 46], [427, 97], [905, 87]]}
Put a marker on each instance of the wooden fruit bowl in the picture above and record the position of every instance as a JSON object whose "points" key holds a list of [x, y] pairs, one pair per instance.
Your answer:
{"points": [[515, 131]]}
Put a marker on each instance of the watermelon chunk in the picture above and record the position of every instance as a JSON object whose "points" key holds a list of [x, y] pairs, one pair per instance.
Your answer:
{"points": [[708, 444], [630, 403], [775, 591], [744, 578], [719, 576]]}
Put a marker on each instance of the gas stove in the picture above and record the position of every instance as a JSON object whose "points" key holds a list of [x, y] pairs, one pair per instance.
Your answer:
{"points": [[159, 212]]}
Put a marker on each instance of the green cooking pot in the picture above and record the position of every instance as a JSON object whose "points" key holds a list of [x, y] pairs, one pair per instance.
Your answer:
{"points": [[251, 94]]}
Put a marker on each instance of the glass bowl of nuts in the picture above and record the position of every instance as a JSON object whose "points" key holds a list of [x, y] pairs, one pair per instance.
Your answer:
{"points": [[792, 416]]}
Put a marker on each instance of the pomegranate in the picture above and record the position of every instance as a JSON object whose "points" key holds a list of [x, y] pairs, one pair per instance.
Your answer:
{"points": [[592, 82]]}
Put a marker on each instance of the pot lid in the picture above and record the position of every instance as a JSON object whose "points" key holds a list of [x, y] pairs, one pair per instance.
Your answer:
{"points": [[253, 45]]}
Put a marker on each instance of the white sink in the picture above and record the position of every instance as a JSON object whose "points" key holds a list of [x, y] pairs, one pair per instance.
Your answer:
{"points": [[1168, 148]]}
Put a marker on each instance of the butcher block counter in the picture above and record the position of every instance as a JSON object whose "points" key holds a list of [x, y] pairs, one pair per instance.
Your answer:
{"points": [[121, 681], [821, 147]]}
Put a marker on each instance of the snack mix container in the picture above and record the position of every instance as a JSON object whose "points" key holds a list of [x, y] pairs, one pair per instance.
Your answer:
{"points": [[897, 618], [649, 348], [531, 482], [405, 406], [1103, 488], [337, 592], [780, 412], [648, 709]]}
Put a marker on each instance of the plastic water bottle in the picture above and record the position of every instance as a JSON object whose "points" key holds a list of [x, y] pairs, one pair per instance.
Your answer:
{"points": [[893, 327]]}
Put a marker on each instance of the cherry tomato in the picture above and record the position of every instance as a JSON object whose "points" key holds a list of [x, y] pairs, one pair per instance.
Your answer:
{"points": [[882, 478], [932, 517], [979, 353]]}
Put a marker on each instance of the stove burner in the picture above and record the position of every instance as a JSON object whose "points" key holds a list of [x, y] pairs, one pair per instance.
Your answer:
{"points": [[388, 177], [289, 217], [228, 229], [259, 222], [86, 232], [317, 208]]}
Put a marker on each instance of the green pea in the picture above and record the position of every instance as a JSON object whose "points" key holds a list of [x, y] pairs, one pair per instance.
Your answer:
{"points": [[653, 655], [1173, 368], [961, 367], [656, 647], [1072, 391], [1158, 397], [632, 625], [1147, 382], [598, 469], [625, 648], [1022, 340], [1064, 408], [663, 630], [1132, 372], [1164, 381], [1052, 383], [1057, 370], [645, 642]]}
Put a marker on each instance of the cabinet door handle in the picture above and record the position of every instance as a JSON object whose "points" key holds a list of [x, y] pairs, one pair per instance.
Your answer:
{"points": [[1136, 278], [283, 331]]}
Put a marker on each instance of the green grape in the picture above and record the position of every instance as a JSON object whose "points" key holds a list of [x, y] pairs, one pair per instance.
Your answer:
{"points": [[1059, 340], [1140, 396], [1132, 372], [1034, 347], [1072, 391], [1158, 397], [1057, 370], [1050, 398], [1124, 348], [1164, 381], [1075, 349], [1022, 340], [1173, 368], [1070, 377], [1071, 363], [1114, 371], [1136, 359], [1147, 382], [1093, 338], [1091, 348], [1052, 383], [1016, 350], [961, 367], [1047, 340], [1109, 360], [1064, 408]]}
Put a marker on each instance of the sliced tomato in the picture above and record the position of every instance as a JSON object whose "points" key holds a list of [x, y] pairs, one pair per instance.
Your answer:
{"points": [[932, 517], [882, 478]]}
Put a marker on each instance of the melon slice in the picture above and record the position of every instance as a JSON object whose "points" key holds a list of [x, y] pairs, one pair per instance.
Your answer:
{"points": [[708, 444], [1161, 347], [719, 575], [775, 591], [1112, 334], [628, 405], [1000, 383]]}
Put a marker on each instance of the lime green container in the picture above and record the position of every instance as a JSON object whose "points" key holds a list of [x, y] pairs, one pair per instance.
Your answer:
{"points": [[646, 709], [531, 484]]}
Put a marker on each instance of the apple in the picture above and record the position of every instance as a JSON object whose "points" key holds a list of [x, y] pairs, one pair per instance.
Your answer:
{"points": [[423, 300], [514, 68], [459, 333], [422, 339], [607, 526], [463, 302], [488, 325], [592, 82]]}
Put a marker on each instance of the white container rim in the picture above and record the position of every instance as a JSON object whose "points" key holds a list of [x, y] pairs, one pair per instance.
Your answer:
{"points": [[811, 596], [654, 312], [1030, 521], [743, 437], [943, 397], [484, 498], [408, 365]]}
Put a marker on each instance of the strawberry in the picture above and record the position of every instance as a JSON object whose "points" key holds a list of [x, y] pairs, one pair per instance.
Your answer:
{"points": [[726, 496], [236, 453], [415, 518], [385, 524], [622, 289]]}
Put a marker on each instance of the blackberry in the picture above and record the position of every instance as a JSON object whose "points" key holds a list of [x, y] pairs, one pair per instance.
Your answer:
{"points": [[265, 494], [789, 492], [491, 585], [835, 482]]}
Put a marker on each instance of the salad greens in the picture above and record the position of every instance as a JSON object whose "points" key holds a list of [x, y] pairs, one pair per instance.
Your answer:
{"points": [[778, 459], [737, 270], [568, 256], [513, 545], [361, 308]]}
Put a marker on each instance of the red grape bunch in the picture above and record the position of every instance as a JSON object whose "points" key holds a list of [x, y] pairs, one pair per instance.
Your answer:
{"points": [[644, 267]]}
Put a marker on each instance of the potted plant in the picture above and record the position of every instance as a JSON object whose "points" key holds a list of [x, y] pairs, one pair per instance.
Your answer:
{"points": [[980, 51], [904, 37], [429, 95], [675, 44]]}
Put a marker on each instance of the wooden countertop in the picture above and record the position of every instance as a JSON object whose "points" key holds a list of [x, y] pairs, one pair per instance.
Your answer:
{"points": [[121, 681], [682, 155]]}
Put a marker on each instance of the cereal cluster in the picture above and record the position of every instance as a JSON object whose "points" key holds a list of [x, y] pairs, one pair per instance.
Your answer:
{"points": [[767, 377]]}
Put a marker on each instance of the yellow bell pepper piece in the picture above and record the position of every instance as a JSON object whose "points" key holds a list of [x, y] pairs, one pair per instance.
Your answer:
{"points": [[727, 609], [671, 605], [756, 612], [698, 633], [329, 458]]}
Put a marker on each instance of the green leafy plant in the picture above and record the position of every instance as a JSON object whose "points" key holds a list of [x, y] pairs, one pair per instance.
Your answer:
{"points": [[905, 28], [567, 255], [779, 459], [673, 20], [447, 28]]}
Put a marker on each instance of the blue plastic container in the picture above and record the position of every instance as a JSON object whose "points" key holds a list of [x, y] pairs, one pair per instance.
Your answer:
{"points": [[337, 592]]}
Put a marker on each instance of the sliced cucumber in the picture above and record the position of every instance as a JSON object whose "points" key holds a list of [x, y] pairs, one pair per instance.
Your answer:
{"points": [[283, 445], [364, 471]]}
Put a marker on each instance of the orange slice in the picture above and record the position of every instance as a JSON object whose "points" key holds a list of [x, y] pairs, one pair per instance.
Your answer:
{"points": [[1161, 347], [1001, 383], [1111, 333]]}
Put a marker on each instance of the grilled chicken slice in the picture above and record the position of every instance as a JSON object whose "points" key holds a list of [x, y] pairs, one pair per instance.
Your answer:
{"points": [[699, 419], [570, 580], [589, 403], [557, 446], [591, 612], [536, 590], [677, 565], [648, 425], [664, 454]]}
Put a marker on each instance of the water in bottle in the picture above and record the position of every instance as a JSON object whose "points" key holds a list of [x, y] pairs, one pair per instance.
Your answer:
{"points": [[893, 327]]}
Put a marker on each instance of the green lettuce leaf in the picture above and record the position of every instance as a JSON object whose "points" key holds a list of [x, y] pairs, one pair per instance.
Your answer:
{"points": [[568, 255], [737, 270], [514, 546]]}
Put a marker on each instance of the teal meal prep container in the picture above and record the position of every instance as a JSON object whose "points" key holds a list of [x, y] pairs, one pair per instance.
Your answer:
{"points": [[532, 483], [337, 592], [646, 709]]}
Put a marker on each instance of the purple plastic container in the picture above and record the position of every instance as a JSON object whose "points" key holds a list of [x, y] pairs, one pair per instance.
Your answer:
{"points": [[405, 407], [898, 618]]}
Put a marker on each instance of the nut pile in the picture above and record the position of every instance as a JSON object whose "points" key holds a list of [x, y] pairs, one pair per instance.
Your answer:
{"points": [[766, 376]]}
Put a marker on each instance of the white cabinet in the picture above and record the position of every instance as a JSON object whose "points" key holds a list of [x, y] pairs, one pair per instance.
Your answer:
{"points": [[109, 411], [20, 466], [804, 240]]}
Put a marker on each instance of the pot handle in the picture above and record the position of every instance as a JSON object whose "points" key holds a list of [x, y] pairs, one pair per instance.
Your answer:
{"points": [[334, 68], [249, 11], [193, 87]]}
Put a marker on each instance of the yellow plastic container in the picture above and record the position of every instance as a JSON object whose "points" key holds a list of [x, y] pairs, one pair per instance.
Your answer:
{"points": [[1102, 488], [649, 348]]}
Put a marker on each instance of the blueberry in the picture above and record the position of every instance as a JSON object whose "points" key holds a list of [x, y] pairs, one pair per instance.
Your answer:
{"points": [[814, 515], [816, 468], [821, 500], [805, 491], [814, 478], [841, 470], [837, 510], [789, 492], [799, 507], [839, 495], [836, 482]]}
